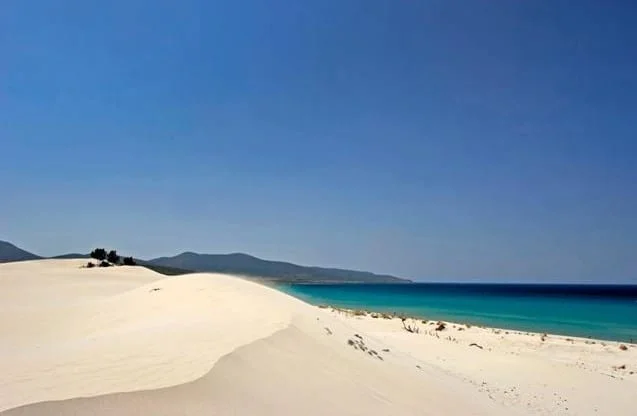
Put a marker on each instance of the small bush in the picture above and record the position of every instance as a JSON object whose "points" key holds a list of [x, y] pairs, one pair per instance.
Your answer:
{"points": [[99, 254], [129, 261], [112, 257], [105, 264], [90, 265]]}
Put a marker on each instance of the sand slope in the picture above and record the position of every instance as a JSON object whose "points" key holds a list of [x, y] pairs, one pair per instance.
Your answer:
{"points": [[539, 374], [128, 341]]}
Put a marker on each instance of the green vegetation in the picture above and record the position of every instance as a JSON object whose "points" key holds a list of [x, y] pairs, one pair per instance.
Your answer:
{"points": [[99, 254], [129, 261], [112, 257]]}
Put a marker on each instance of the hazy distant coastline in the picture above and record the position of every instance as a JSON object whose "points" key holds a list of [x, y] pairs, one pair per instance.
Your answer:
{"points": [[235, 263]]}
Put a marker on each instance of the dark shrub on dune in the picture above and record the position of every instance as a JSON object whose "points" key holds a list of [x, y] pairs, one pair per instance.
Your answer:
{"points": [[105, 264], [90, 265], [112, 257], [129, 261], [99, 254]]}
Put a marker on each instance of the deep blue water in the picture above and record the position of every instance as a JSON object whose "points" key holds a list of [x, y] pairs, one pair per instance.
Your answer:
{"points": [[596, 311]]}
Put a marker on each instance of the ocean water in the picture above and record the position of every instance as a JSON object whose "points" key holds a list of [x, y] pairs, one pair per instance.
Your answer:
{"points": [[595, 311]]}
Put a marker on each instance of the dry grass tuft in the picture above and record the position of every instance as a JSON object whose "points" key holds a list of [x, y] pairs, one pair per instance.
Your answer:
{"points": [[409, 328]]}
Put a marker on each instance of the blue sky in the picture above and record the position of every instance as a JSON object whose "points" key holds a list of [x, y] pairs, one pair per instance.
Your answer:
{"points": [[489, 141]]}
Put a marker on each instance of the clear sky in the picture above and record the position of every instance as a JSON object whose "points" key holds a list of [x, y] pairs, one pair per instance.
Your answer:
{"points": [[438, 140]]}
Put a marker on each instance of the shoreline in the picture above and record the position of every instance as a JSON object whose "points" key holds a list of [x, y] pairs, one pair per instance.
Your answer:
{"points": [[582, 312], [498, 330], [537, 373]]}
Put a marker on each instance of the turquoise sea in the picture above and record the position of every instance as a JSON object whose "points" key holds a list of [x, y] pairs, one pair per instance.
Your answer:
{"points": [[596, 311]]}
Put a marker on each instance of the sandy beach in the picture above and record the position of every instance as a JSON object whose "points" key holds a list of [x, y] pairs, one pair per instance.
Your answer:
{"points": [[128, 341]]}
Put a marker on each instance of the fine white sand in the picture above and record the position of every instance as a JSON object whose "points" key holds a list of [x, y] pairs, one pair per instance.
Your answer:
{"points": [[535, 373], [128, 341]]}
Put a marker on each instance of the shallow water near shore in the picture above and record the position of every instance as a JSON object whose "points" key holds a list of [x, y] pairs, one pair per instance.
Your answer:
{"points": [[594, 311]]}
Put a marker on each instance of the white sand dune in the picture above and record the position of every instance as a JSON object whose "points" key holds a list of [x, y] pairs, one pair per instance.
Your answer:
{"points": [[128, 341]]}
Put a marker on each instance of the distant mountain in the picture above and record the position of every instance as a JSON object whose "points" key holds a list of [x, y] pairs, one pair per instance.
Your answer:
{"points": [[168, 271], [9, 252], [72, 256], [244, 264], [236, 263]]}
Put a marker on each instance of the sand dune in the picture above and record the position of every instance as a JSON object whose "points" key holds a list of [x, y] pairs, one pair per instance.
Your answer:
{"points": [[287, 373], [128, 341], [162, 333]]}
